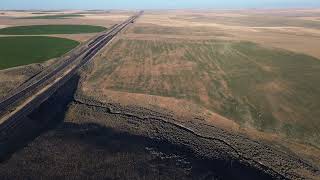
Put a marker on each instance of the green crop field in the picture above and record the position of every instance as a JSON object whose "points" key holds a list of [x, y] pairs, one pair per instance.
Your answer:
{"points": [[272, 90], [51, 29], [57, 16], [16, 51]]}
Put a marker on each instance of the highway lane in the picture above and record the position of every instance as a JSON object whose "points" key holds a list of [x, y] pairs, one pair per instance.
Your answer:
{"points": [[24, 102]]}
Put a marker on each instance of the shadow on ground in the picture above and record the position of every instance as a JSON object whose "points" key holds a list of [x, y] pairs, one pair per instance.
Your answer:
{"points": [[45, 147], [46, 117], [96, 152]]}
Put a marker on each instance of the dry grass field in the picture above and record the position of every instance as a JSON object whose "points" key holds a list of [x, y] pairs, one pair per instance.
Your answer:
{"points": [[278, 28], [253, 71]]}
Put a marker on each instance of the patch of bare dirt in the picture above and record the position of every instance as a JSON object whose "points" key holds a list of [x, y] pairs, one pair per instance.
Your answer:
{"points": [[3, 26]]}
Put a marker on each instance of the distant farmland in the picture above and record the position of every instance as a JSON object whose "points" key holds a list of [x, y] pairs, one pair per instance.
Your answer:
{"points": [[270, 89], [17, 51], [51, 29], [57, 16]]}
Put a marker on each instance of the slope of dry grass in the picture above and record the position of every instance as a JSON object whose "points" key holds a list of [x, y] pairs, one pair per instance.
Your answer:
{"points": [[270, 89]]}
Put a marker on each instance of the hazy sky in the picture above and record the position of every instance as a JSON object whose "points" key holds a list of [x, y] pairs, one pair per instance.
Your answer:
{"points": [[153, 4]]}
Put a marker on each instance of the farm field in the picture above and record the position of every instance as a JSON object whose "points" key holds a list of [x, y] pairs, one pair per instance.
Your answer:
{"points": [[50, 29], [101, 18], [294, 30], [57, 16], [17, 51], [57, 37]]}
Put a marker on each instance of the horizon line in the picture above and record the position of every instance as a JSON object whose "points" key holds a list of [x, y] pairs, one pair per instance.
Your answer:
{"points": [[146, 9]]}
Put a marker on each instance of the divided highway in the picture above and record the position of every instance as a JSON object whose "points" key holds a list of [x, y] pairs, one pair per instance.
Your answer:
{"points": [[29, 96]]}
